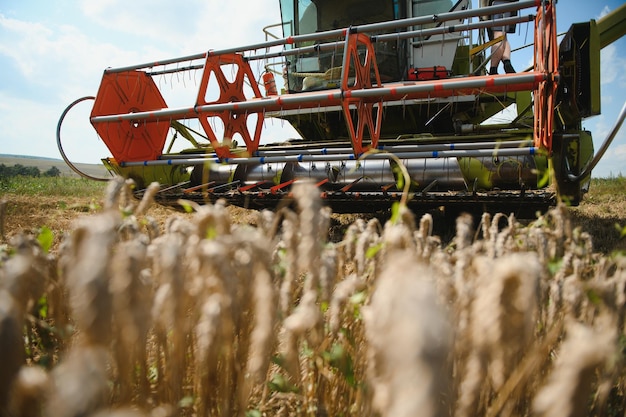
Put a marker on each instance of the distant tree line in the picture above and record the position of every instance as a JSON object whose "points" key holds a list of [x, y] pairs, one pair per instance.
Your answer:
{"points": [[24, 171]]}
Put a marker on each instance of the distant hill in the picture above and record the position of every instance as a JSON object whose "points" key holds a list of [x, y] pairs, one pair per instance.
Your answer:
{"points": [[44, 164]]}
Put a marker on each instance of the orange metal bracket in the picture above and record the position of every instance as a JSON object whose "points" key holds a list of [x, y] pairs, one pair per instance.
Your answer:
{"points": [[250, 186], [363, 68], [275, 189], [234, 122], [346, 188], [198, 187], [322, 182]]}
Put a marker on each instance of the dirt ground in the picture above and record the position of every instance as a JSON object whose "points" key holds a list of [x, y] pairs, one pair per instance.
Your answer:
{"points": [[597, 215], [29, 213]]}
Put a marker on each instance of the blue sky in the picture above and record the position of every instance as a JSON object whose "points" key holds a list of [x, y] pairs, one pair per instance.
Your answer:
{"points": [[52, 53]]}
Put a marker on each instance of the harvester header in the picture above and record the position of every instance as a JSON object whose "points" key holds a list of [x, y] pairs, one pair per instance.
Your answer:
{"points": [[388, 98]]}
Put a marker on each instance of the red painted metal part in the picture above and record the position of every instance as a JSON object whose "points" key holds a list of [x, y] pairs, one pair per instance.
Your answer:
{"points": [[545, 61], [250, 186], [275, 189], [230, 92], [362, 80], [198, 187], [130, 92]]}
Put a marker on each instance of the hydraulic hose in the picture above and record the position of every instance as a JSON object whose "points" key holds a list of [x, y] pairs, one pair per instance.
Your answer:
{"points": [[63, 155]]}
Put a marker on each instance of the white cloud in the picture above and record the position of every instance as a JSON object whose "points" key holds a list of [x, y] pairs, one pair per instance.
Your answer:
{"points": [[21, 35], [620, 152], [606, 10], [188, 27], [611, 65], [614, 160], [61, 59], [30, 128], [163, 21]]}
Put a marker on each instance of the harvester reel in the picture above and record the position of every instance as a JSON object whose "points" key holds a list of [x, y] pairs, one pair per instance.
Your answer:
{"points": [[230, 92]]}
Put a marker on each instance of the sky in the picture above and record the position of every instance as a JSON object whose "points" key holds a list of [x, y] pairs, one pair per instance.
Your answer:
{"points": [[53, 52]]}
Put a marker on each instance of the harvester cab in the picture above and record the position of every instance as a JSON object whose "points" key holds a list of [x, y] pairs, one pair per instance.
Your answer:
{"points": [[392, 102]]}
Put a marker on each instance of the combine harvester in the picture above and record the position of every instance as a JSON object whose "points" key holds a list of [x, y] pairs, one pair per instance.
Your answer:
{"points": [[390, 98]]}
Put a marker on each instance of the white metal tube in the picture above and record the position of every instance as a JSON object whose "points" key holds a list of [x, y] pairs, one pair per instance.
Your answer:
{"points": [[340, 157]]}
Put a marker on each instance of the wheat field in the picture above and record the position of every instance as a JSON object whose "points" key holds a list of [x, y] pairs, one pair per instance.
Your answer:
{"points": [[204, 317]]}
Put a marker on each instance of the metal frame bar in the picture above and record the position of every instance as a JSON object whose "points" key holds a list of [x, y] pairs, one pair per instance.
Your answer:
{"points": [[395, 91]]}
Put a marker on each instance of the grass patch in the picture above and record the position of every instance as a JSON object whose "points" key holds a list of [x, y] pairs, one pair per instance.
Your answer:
{"points": [[52, 186], [608, 188]]}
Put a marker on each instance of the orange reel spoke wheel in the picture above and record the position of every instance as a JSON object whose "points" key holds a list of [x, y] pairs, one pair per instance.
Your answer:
{"points": [[229, 92], [362, 68], [130, 92]]}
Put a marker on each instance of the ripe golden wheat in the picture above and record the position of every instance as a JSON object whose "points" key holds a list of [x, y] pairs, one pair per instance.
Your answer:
{"points": [[204, 317]]}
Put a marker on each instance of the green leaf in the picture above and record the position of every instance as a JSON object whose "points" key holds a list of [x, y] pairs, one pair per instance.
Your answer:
{"points": [[341, 360], [94, 206], [186, 205], [126, 212], [621, 230], [594, 297], [306, 351], [373, 250], [554, 266], [279, 360], [358, 298], [395, 212], [211, 233], [544, 180], [279, 383], [544, 174], [43, 307], [253, 413], [45, 238]]}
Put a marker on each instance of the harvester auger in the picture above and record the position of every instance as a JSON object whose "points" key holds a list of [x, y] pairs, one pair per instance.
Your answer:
{"points": [[390, 98]]}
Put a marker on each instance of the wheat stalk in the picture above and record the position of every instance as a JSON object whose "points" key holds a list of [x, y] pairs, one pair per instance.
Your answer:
{"points": [[409, 341]]}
